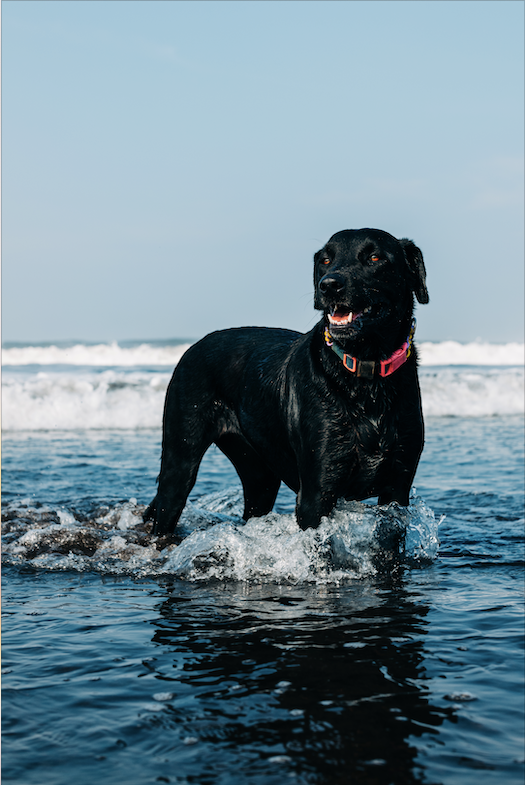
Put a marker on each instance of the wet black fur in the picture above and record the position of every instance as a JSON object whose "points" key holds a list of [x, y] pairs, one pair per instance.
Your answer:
{"points": [[283, 408]]}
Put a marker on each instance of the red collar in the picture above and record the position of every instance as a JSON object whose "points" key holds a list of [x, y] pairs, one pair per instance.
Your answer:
{"points": [[368, 368]]}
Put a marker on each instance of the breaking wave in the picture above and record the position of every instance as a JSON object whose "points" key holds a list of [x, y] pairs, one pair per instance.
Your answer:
{"points": [[123, 387], [472, 391], [455, 353], [116, 399], [169, 353], [69, 401], [99, 355], [355, 541]]}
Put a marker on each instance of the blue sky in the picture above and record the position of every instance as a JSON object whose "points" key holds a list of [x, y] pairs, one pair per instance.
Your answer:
{"points": [[170, 168]]}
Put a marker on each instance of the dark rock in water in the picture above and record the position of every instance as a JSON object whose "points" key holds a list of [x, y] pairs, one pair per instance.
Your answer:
{"points": [[82, 543]]}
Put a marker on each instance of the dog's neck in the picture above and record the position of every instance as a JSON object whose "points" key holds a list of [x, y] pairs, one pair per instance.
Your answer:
{"points": [[368, 369]]}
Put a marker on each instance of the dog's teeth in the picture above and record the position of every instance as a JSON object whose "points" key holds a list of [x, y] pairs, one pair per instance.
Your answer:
{"points": [[341, 320]]}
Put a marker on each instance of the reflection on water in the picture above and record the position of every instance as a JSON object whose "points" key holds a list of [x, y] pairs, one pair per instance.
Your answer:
{"points": [[225, 683], [325, 684]]}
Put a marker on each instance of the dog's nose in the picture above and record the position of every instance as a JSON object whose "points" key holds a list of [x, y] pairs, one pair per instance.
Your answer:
{"points": [[332, 284]]}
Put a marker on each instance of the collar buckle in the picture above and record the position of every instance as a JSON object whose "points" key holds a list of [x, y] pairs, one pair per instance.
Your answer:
{"points": [[366, 369]]}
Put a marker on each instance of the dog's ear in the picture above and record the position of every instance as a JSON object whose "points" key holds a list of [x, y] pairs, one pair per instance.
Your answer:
{"points": [[416, 266]]}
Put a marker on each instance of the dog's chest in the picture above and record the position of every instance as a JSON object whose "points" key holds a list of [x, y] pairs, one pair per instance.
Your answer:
{"points": [[363, 438]]}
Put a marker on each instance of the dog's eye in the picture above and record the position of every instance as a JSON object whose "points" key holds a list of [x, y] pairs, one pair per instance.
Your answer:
{"points": [[374, 258], [325, 261]]}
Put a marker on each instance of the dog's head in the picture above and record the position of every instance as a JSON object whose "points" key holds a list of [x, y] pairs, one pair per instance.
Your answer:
{"points": [[365, 281]]}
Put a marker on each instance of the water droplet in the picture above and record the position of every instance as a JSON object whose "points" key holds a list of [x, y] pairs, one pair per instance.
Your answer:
{"points": [[163, 696], [460, 697]]}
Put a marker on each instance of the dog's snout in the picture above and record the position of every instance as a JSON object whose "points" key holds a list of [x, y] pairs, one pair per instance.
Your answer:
{"points": [[332, 284]]}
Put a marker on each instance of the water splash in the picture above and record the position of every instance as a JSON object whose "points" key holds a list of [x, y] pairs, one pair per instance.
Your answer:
{"points": [[355, 541]]}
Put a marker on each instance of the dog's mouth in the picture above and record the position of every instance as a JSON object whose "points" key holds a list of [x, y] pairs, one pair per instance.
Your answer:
{"points": [[342, 316]]}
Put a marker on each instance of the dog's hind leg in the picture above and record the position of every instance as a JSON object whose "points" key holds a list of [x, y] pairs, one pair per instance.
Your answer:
{"points": [[189, 428], [260, 484], [180, 464]]}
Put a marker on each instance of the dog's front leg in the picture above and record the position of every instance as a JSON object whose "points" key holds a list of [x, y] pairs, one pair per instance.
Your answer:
{"points": [[312, 504], [400, 478]]}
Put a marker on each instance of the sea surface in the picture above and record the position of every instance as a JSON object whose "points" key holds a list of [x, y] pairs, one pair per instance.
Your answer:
{"points": [[384, 648]]}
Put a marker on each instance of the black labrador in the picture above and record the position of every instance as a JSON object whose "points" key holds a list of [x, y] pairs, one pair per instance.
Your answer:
{"points": [[333, 413]]}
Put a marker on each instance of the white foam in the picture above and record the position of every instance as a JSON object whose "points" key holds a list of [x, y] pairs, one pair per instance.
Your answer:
{"points": [[472, 392], [62, 401], [100, 355], [146, 354], [132, 396], [478, 353], [135, 400]]}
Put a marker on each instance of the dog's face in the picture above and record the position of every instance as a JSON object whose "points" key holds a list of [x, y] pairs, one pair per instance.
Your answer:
{"points": [[365, 281]]}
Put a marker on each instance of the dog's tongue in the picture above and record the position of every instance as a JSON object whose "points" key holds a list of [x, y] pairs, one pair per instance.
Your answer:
{"points": [[341, 316]]}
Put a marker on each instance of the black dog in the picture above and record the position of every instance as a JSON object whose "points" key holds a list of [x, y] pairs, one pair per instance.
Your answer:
{"points": [[334, 413]]}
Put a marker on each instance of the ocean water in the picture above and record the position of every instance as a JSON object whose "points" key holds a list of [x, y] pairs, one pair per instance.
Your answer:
{"points": [[385, 647]]}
